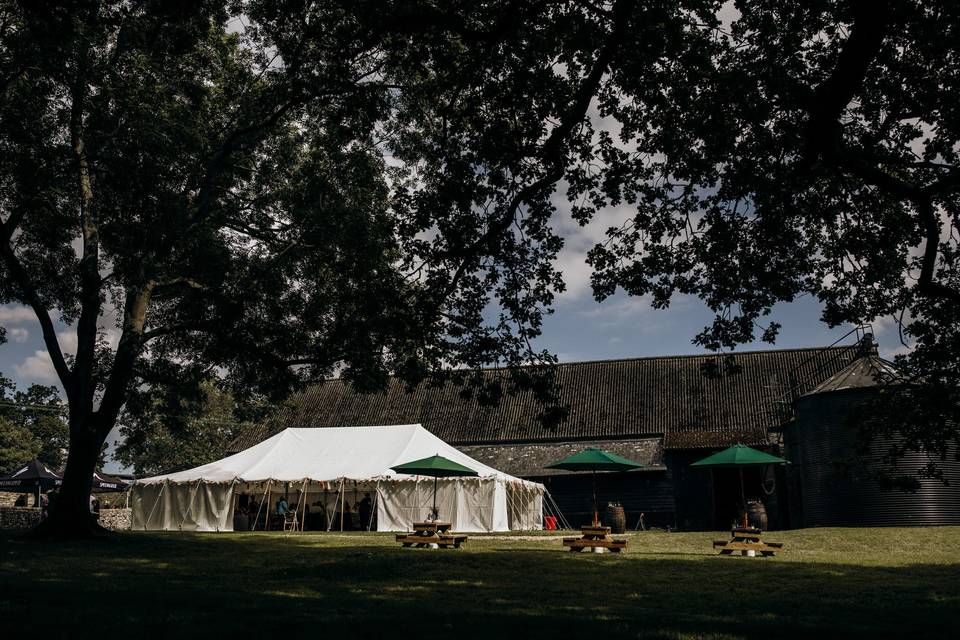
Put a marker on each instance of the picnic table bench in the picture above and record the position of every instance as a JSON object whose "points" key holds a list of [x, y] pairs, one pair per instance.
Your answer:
{"points": [[428, 533], [744, 539], [595, 536]]}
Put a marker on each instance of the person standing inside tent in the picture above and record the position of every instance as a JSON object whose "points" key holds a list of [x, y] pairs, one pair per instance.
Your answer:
{"points": [[282, 508], [365, 507]]}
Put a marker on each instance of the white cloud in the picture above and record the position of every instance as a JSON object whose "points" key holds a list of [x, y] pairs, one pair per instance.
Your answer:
{"points": [[897, 350], [68, 341], [37, 368], [579, 240], [16, 314], [18, 334], [728, 14]]}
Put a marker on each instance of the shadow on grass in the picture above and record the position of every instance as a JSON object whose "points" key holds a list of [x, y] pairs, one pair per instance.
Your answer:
{"points": [[174, 586]]}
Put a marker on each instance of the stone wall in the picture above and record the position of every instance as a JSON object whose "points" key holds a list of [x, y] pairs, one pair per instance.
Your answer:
{"points": [[26, 517], [18, 517], [116, 519], [7, 498], [527, 460]]}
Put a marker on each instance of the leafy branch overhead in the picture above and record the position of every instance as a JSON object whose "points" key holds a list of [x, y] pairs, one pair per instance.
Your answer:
{"points": [[271, 192]]}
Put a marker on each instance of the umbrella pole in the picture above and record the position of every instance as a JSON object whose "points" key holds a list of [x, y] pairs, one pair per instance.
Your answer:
{"points": [[596, 519], [435, 495], [743, 501]]}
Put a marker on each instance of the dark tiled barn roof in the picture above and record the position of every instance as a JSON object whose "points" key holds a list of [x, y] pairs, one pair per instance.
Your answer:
{"points": [[692, 401]]}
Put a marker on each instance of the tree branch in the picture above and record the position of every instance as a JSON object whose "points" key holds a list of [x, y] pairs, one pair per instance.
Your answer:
{"points": [[926, 285], [824, 137], [831, 97], [231, 143], [32, 298], [128, 350], [180, 328], [552, 153]]}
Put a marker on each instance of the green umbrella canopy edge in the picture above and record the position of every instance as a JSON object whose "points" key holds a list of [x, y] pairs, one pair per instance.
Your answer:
{"points": [[435, 466], [738, 455], [593, 459]]}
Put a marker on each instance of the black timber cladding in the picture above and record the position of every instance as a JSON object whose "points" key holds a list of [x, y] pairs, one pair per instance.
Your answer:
{"points": [[832, 475], [699, 401]]}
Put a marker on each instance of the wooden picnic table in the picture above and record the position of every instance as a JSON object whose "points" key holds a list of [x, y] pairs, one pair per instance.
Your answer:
{"points": [[595, 536], [433, 532], [744, 539]]}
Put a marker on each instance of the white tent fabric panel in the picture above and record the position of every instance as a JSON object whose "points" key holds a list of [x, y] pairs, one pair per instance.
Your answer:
{"points": [[499, 517], [471, 504], [398, 505], [182, 507], [524, 507], [324, 459]]}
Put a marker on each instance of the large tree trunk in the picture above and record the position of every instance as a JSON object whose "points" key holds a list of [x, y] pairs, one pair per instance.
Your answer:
{"points": [[69, 514]]}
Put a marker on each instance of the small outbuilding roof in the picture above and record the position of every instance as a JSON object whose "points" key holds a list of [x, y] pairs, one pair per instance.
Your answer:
{"points": [[867, 371]]}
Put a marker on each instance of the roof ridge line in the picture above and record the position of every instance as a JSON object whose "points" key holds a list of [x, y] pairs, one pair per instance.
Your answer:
{"points": [[689, 356]]}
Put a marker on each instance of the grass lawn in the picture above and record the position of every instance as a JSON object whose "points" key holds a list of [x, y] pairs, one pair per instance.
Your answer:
{"points": [[849, 582]]}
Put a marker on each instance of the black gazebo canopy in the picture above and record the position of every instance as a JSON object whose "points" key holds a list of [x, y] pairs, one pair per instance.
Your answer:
{"points": [[37, 477], [32, 476]]}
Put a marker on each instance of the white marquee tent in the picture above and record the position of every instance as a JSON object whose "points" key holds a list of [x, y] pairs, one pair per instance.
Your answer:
{"points": [[328, 468]]}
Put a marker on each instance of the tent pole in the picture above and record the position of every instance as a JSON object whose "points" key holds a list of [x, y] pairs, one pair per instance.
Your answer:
{"points": [[303, 510], [193, 494], [266, 515], [296, 511], [156, 502], [256, 518], [326, 516], [375, 504], [342, 497]]}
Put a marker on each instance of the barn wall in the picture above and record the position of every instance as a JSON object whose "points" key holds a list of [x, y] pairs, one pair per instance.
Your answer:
{"points": [[693, 491], [647, 492], [832, 486]]}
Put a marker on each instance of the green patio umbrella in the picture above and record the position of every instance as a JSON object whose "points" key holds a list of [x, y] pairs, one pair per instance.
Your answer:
{"points": [[435, 466], [739, 456], [593, 460]]}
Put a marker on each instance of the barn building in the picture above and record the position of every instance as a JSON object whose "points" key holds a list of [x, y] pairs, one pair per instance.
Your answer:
{"points": [[665, 412]]}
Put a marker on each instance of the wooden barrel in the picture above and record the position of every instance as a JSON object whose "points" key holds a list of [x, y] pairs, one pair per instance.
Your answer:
{"points": [[757, 515], [616, 518]]}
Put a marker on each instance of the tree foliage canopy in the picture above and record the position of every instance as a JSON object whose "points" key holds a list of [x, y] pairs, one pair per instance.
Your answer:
{"points": [[274, 191], [811, 148], [167, 428], [32, 425]]}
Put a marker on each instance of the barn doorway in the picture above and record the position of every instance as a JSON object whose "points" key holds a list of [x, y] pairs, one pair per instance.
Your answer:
{"points": [[726, 493]]}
